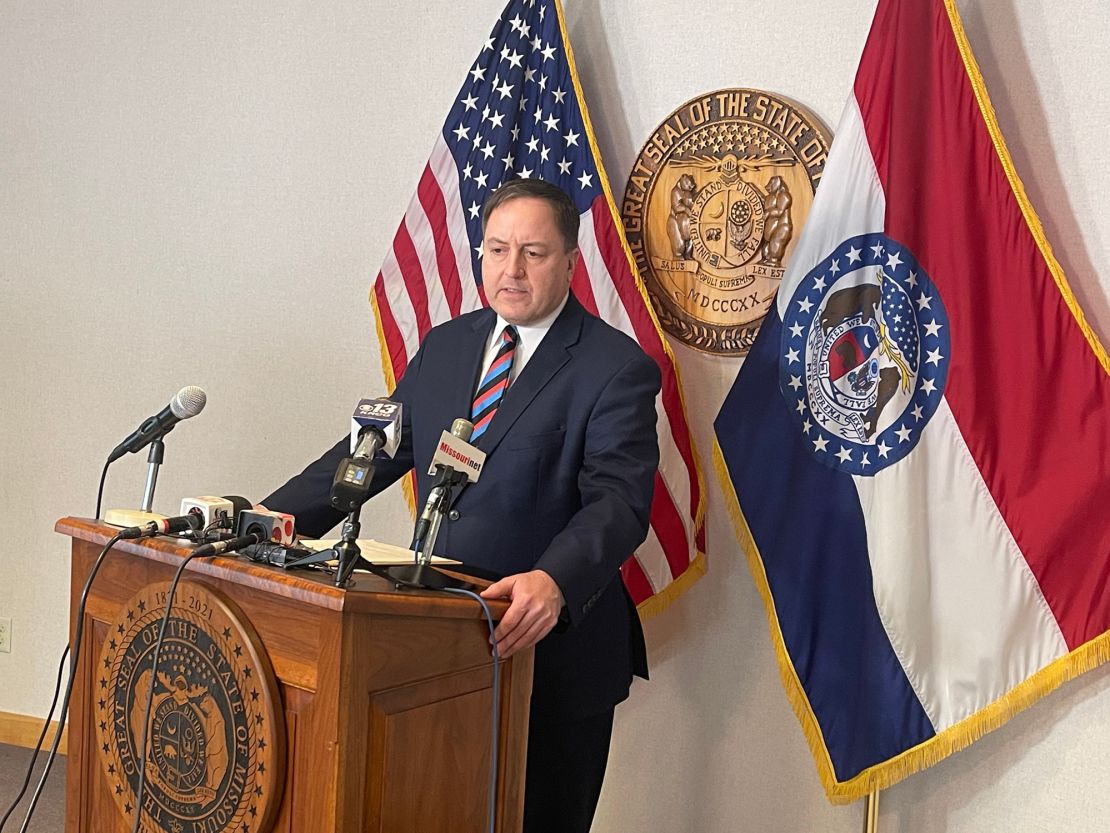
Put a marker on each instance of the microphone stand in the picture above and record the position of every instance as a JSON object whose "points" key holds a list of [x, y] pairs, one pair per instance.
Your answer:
{"points": [[346, 552], [132, 517], [421, 574], [154, 458], [350, 556], [349, 491]]}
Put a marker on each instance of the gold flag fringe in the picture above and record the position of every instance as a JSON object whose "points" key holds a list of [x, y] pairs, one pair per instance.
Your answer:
{"points": [[662, 600], [697, 567], [1084, 658], [408, 482], [383, 355], [1016, 185]]}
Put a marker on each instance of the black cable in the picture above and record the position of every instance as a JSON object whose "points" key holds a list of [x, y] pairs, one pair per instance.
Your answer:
{"points": [[494, 721], [61, 667], [100, 491], [150, 695], [495, 715], [42, 737], [75, 657]]}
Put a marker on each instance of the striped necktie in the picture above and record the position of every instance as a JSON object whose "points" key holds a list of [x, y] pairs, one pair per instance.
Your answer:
{"points": [[494, 383]]}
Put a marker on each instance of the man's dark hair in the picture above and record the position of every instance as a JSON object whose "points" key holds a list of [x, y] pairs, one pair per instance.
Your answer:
{"points": [[562, 206]]}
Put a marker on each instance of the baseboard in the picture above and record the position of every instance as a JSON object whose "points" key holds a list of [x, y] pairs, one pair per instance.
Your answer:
{"points": [[23, 730]]}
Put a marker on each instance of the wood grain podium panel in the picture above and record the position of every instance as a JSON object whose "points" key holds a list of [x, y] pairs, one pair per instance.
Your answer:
{"points": [[386, 694]]}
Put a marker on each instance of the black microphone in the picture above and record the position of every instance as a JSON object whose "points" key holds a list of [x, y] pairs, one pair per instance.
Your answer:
{"points": [[277, 555], [375, 426], [188, 402], [165, 526], [238, 504], [216, 512], [230, 545], [445, 477]]}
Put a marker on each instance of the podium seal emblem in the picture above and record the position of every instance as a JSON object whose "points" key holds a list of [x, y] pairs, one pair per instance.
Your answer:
{"points": [[215, 734], [713, 206]]}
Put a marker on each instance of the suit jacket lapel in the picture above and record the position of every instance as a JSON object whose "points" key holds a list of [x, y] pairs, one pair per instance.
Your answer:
{"points": [[455, 393], [549, 358]]}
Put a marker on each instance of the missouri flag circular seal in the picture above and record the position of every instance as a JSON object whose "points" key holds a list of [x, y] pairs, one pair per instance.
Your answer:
{"points": [[864, 355], [713, 206], [215, 735]]}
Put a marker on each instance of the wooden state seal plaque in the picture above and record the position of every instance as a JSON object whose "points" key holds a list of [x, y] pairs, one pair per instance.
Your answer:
{"points": [[713, 206], [215, 734]]}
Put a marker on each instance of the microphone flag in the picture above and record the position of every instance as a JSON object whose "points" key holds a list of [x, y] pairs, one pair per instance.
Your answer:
{"points": [[456, 453], [383, 414]]}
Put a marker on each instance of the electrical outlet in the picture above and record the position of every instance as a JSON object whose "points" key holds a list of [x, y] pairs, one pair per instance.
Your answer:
{"points": [[5, 634]]}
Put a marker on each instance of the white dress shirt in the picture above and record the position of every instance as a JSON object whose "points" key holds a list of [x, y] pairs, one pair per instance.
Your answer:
{"points": [[529, 339]]}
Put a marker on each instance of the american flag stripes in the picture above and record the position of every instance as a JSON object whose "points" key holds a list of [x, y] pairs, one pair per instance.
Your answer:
{"points": [[520, 113]]}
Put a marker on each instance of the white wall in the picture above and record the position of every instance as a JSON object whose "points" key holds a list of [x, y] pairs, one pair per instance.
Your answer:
{"points": [[201, 193]]}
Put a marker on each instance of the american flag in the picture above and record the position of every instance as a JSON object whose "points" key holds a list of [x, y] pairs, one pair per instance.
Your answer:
{"points": [[520, 113]]}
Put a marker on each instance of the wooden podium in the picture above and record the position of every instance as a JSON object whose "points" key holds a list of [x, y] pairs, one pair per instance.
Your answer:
{"points": [[386, 695]]}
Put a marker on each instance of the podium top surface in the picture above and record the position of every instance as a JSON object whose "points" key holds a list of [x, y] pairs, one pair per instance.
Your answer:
{"points": [[365, 594]]}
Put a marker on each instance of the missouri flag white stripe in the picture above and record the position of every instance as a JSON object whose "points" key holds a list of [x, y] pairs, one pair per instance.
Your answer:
{"points": [[912, 440]]}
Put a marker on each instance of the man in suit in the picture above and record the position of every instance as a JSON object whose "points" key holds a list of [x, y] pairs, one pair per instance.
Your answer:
{"points": [[566, 414]]}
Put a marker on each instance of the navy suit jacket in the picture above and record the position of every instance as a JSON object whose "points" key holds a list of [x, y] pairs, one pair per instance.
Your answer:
{"points": [[566, 486]]}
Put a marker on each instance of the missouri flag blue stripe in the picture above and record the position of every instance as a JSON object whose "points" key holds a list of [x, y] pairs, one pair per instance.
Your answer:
{"points": [[815, 558]]}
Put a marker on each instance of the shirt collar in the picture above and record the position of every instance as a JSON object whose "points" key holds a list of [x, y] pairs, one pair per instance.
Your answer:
{"points": [[534, 333]]}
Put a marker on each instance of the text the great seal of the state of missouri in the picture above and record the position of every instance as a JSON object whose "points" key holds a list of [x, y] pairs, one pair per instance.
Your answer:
{"points": [[713, 206], [215, 733]]}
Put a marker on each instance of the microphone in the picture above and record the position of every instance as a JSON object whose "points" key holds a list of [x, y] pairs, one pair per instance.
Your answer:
{"points": [[276, 527], [453, 449], [455, 461], [375, 427], [370, 441], [163, 526], [229, 545], [458, 441], [188, 402], [215, 512]]}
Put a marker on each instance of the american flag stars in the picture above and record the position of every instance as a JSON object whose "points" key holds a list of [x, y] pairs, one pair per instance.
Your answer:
{"points": [[520, 114], [514, 117]]}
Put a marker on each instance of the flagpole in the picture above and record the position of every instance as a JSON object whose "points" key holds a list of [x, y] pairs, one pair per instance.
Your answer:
{"points": [[871, 813]]}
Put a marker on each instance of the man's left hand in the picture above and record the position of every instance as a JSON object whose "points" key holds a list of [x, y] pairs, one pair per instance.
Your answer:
{"points": [[535, 602]]}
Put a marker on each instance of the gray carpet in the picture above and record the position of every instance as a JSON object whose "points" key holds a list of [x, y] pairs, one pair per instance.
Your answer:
{"points": [[51, 810]]}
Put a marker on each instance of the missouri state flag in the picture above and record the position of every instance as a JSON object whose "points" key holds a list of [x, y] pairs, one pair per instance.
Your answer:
{"points": [[919, 441]]}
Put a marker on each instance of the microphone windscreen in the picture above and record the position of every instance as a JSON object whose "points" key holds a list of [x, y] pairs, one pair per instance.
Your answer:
{"points": [[462, 428], [188, 402], [238, 504]]}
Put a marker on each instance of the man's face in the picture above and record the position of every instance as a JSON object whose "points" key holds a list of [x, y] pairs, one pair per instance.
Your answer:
{"points": [[526, 268]]}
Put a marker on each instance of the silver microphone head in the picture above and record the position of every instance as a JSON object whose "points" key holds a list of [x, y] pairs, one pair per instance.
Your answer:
{"points": [[462, 428], [188, 402]]}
